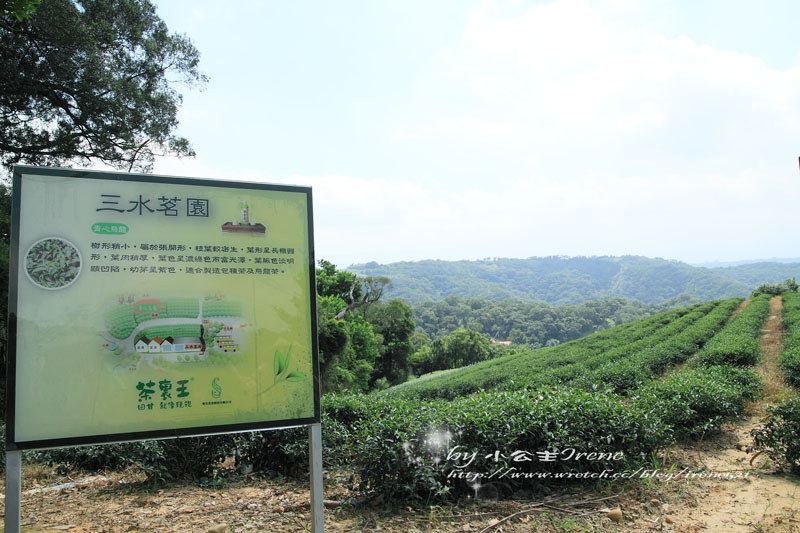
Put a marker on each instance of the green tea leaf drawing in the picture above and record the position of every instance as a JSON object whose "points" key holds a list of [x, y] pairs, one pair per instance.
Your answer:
{"points": [[277, 363], [287, 358], [280, 364]]}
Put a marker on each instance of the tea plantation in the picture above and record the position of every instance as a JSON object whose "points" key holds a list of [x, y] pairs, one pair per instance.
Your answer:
{"points": [[594, 408]]}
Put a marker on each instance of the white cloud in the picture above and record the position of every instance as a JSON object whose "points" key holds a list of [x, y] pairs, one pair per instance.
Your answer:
{"points": [[611, 140], [562, 77]]}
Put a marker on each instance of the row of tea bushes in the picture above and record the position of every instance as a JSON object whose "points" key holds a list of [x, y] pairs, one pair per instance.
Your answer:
{"points": [[408, 448], [561, 364], [737, 343], [790, 358], [625, 374], [780, 434], [695, 401]]}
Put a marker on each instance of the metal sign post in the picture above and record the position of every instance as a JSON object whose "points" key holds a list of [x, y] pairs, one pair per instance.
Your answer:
{"points": [[315, 462], [13, 487]]}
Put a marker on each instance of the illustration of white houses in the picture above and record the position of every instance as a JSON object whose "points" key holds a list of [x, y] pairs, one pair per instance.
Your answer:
{"points": [[178, 344], [155, 345]]}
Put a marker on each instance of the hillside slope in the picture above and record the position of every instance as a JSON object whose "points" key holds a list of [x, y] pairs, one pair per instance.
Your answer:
{"points": [[558, 280]]}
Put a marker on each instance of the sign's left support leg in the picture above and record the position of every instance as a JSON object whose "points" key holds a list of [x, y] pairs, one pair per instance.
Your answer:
{"points": [[315, 462]]}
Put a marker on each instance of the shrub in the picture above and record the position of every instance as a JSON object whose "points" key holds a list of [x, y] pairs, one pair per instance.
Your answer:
{"points": [[580, 358], [100, 457], [779, 436], [737, 343], [160, 460], [774, 289], [790, 358], [790, 364], [192, 457], [696, 401], [402, 451], [286, 451]]}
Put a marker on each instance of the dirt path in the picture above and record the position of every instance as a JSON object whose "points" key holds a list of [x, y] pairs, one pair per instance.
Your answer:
{"points": [[763, 500]]}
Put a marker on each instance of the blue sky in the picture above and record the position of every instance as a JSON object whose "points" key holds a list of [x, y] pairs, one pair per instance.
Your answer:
{"points": [[468, 129]]}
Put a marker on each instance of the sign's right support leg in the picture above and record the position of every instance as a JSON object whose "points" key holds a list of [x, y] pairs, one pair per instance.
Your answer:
{"points": [[13, 490], [315, 462]]}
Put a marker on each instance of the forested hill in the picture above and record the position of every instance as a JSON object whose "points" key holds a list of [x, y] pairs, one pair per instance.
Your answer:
{"points": [[572, 280]]}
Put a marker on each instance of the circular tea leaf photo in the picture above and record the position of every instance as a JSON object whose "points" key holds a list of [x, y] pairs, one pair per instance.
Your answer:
{"points": [[52, 263]]}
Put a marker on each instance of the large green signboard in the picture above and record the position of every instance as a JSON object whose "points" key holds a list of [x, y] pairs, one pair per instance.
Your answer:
{"points": [[144, 306]]}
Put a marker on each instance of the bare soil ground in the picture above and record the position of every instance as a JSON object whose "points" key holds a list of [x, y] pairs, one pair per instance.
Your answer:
{"points": [[757, 499]]}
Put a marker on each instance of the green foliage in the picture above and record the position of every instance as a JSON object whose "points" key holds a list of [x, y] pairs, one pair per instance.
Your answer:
{"points": [[696, 401], [775, 289], [160, 460], [100, 457], [211, 330], [737, 344], [403, 446], [356, 364], [628, 373], [19, 9], [349, 345], [647, 345], [779, 434], [394, 323], [534, 324], [286, 451], [460, 348], [2, 446], [93, 80], [336, 283], [5, 230], [790, 358]]}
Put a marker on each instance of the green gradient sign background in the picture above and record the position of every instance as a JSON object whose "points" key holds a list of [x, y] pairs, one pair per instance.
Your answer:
{"points": [[75, 380]]}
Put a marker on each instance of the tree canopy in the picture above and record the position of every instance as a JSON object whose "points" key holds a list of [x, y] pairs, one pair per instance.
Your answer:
{"points": [[91, 80], [86, 80]]}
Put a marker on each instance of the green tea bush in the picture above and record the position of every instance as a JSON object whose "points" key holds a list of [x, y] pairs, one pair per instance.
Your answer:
{"points": [[286, 451], [737, 343], [628, 373], [403, 451], [790, 363], [779, 435], [192, 457], [774, 289], [790, 358], [696, 401], [161, 460], [99, 457], [576, 359]]}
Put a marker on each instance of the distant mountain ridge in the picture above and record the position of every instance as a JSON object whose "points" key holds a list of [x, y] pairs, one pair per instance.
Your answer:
{"points": [[560, 279], [715, 264]]}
